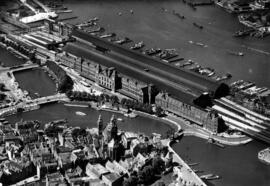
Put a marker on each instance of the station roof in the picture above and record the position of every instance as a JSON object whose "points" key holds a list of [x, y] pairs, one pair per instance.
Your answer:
{"points": [[187, 78], [180, 92]]}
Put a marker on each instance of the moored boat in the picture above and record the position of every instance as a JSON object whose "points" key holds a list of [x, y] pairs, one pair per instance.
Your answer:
{"points": [[137, 46]]}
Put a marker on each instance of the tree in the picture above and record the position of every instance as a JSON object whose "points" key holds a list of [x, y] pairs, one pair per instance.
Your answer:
{"points": [[159, 111], [158, 165]]}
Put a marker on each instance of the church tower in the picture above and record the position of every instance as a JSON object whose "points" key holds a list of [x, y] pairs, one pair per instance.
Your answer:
{"points": [[100, 125], [114, 129]]}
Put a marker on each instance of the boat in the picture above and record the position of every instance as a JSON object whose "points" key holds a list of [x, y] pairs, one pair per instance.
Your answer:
{"points": [[95, 19], [235, 53], [224, 77], [168, 54], [211, 140], [137, 46], [99, 29], [152, 51], [209, 177], [123, 41], [130, 115], [188, 63], [243, 33], [198, 26], [120, 119], [108, 35], [80, 113], [178, 15], [264, 156]]}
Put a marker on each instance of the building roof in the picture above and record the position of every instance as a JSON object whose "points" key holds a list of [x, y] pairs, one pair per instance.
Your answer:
{"points": [[112, 177], [182, 76], [134, 71]]}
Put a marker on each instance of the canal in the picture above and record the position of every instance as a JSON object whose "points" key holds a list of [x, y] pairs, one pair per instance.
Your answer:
{"points": [[52, 112], [8, 59], [237, 166], [36, 81]]}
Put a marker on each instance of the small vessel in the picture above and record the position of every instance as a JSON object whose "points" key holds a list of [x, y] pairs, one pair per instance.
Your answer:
{"points": [[95, 19], [123, 41], [80, 113], [120, 119], [131, 11], [137, 46], [168, 54], [235, 53], [264, 156], [198, 26], [211, 140], [188, 63], [178, 15], [209, 177], [108, 35], [152, 51], [99, 29]]}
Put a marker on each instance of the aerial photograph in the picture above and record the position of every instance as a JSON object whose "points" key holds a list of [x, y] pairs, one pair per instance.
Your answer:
{"points": [[135, 92]]}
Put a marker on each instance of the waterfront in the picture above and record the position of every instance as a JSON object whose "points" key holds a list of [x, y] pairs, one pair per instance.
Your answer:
{"points": [[51, 112], [163, 29], [236, 165], [43, 84]]}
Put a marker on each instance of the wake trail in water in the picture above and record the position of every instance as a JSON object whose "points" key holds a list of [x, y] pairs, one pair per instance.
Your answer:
{"points": [[256, 50]]}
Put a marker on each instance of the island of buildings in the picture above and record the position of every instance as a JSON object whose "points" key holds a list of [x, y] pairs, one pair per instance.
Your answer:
{"points": [[60, 154]]}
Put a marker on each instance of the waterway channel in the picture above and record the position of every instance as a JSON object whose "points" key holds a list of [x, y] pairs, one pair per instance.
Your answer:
{"points": [[36, 82], [8, 59], [52, 112], [237, 166]]}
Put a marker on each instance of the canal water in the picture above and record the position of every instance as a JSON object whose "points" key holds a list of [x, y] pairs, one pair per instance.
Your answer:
{"points": [[237, 166], [157, 28], [8, 59], [52, 112], [36, 82]]}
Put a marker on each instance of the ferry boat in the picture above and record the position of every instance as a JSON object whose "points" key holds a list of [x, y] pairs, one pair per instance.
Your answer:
{"points": [[264, 156], [152, 51], [198, 26], [137, 46]]}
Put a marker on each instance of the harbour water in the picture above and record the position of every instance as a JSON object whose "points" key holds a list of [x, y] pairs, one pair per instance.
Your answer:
{"points": [[149, 23], [51, 112], [237, 166], [36, 82]]}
